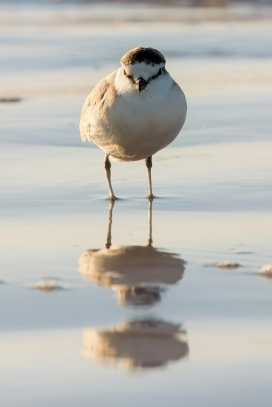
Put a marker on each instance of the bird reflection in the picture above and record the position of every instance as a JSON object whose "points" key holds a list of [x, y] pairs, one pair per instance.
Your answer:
{"points": [[136, 344], [136, 273]]}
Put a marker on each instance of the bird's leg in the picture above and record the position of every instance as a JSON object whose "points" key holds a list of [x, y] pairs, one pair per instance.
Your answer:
{"points": [[148, 163], [107, 164], [150, 241], [108, 240]]}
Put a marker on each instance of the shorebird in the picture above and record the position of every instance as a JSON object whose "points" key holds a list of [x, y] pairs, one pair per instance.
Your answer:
{"points": [[134, 112]]}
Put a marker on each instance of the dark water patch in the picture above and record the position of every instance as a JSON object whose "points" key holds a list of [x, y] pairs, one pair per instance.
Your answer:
{"points": [[10, 99], [244, 252], [224, 265]]}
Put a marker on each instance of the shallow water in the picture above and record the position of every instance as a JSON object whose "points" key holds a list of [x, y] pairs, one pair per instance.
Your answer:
{"points": [[133, 322]]}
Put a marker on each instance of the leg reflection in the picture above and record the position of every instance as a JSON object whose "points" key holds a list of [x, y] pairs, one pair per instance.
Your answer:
{"points": [[138, 274]]}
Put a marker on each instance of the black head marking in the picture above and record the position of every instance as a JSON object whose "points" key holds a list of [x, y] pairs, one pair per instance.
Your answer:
{"points": [[143, 54]]}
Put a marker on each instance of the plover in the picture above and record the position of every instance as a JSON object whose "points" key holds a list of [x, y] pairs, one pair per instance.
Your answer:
{"points": [[135, 111]]}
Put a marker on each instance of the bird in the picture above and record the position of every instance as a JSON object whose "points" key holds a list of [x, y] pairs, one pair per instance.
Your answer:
{"points": [[134, 112]]}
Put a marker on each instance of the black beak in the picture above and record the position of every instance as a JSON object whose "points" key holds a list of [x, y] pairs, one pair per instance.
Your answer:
{"points": [[141, 84]]}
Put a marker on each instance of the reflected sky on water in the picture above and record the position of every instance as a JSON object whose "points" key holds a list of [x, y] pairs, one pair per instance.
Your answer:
{"points": [[144, 315]]}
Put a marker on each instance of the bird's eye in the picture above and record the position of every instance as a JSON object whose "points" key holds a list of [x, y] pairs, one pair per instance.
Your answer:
{"points": [[159, 72]]}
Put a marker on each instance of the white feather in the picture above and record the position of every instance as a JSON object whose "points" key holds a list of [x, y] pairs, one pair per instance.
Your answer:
{"points": [[129, 125]]}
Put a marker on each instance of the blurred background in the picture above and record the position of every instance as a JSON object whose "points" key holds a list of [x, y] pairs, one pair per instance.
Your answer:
{"points": [[180, 3], [61, 309]]}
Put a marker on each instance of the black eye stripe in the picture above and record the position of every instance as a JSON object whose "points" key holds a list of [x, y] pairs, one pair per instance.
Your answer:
{"points": [[160, 72], [128, 76]]}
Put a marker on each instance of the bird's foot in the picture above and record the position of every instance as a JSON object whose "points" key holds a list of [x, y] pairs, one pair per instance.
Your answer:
{"points": [[151, 197], [112, 198]]}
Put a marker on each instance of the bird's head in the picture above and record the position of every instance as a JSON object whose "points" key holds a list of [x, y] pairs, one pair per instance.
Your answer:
{"points": [[142, 65]]}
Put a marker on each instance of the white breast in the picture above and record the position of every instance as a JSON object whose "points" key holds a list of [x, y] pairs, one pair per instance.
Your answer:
{"points": [[137, 125]]}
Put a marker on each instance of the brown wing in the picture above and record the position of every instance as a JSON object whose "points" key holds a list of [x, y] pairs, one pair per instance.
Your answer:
{"points": [[94, 108]]}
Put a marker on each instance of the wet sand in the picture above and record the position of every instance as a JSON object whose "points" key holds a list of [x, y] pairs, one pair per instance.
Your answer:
{"points": [[144, 315]]}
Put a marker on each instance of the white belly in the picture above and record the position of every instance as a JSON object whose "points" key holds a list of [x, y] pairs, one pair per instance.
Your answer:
{"points": [[137, 125]]}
